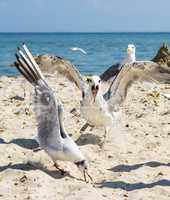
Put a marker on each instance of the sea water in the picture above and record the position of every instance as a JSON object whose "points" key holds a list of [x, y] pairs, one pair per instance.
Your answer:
{"points": [[103, 49]]}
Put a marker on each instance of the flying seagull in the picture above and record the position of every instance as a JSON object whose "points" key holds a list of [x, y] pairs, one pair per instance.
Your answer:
{"points": [[52, 136], [78, 49]]}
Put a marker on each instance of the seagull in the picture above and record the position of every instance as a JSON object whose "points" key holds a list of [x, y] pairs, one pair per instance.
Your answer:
{"points": [[131, 57], [78, 49], [112, 72], [101, 107], [93, 107], [52, 136]]}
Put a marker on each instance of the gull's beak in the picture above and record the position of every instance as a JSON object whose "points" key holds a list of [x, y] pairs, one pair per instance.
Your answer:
{"points": [[86, 174], [94, 90]]}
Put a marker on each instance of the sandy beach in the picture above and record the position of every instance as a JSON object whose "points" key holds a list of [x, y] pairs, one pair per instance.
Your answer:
{"points": [[134, 163]]}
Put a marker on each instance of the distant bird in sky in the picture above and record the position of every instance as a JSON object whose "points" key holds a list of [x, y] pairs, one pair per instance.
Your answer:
{"points": [[78, 49]]}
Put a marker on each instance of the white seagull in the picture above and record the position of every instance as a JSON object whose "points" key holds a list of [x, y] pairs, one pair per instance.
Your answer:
{"points": [[78, 49], [130, 58], [52, 136], [131, 55], [99, 107]]}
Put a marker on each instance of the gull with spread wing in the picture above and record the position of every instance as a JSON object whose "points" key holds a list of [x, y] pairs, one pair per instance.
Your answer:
{"points": [[99, 107], [52, 136]]}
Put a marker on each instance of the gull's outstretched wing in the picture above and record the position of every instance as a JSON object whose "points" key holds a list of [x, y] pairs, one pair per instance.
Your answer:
{"points": [[54, 64], [142, 71], [46, 108]]}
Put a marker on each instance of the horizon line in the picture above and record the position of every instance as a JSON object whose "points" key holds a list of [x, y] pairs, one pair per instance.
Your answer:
{"points": [[84, 32]]}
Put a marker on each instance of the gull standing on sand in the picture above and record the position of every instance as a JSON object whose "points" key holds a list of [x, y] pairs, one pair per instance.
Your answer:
{"points": [[52, 136]]}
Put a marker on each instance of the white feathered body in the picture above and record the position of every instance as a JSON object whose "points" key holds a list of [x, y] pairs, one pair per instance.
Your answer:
{"points": [[65, 150], [96, 111]]}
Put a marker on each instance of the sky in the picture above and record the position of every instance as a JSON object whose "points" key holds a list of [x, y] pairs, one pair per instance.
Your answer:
{"points": [[84, 15]]}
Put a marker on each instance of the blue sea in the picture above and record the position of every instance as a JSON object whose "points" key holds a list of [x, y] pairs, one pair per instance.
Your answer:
{"points": [[103, 49]]}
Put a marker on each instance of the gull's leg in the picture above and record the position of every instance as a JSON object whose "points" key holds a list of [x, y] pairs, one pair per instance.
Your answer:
{"points": [[106, 130], [92, 126], [84, 127], [63, 172], [24, 93], [23, 87]]}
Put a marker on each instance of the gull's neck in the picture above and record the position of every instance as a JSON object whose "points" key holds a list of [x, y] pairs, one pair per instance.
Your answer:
{"points": [[90, 97], [131, 57]]}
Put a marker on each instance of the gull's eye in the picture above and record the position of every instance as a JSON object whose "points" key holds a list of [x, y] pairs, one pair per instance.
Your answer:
{"points": [[89, 80], [99, 81]]}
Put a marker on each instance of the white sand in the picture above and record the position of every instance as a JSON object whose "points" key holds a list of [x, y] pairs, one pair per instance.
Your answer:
{"points": [[134, 164]]}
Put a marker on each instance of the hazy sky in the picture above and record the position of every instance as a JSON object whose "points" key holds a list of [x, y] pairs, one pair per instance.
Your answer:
{"points": [[84, 15]]}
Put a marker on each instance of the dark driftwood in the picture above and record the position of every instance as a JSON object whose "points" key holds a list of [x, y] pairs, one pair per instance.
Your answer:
{"points": [[163, 56]]}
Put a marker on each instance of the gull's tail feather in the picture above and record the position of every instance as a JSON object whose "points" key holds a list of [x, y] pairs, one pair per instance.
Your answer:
{"points": [[32, 60], [28, 67]]}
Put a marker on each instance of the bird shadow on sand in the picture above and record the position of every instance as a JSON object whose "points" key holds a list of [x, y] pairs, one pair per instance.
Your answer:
{"points": [[25, 143], [2, 141], [88, 138], [129, 168], [134, 186], [18, 98], [56, 174]]}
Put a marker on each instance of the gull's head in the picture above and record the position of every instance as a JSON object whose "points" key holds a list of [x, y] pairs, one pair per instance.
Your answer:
{"points": [[94, 83], [83, 167], [131, 49]]}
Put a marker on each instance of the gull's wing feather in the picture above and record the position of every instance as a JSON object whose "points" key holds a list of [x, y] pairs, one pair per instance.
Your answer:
{"points": [[72, 73], [46, 107], [54, 64], [110, 73], [143, 71]]}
